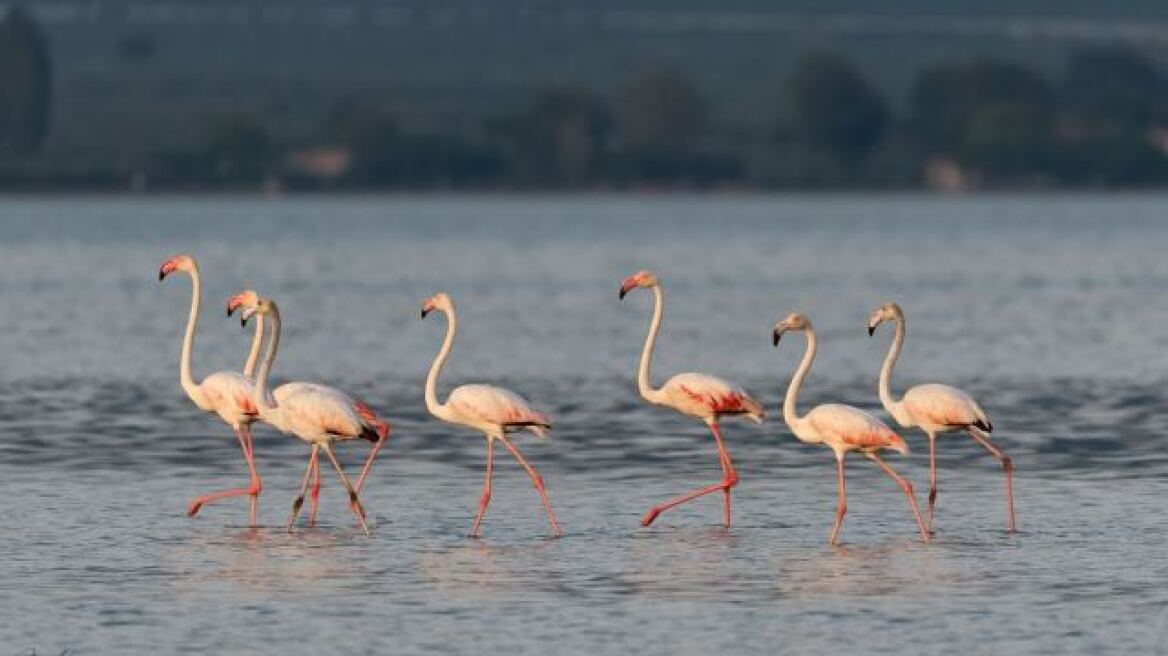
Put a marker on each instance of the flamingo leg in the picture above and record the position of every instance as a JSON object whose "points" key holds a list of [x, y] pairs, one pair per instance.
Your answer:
{"points": [[729, 473], [369, 462], [908, 491], [354, 501], [486, 496], [536, 480], [1007, 466], [303, 488], [253, 490], [730, 479], [932, 479], [842, 508], [314, 494]]}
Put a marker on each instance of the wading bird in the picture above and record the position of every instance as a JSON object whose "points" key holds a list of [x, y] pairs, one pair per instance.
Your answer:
{"points": [[936, 409], [698, 395], [841, 427], [226, 393], [492, 410], [317, 414]]}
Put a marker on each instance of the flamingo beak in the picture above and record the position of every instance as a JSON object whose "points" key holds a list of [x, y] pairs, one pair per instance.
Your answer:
{"points": [[871, 330], [427, 307], [777, 335], [627, 286], [233, 304], [245, 315], [168, 267]]}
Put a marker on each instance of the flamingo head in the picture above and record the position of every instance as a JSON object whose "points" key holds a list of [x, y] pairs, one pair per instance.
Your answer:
{"points": [[176, 263], [794, 322], [642, 278], [248, 300], [888, 312], [440, 301]]}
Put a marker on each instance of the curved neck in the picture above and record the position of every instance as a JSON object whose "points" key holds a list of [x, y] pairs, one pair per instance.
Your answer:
{"points": [[188, 383], [643, 384], [435, 408], [886, 397], [253, 356], [790, 414], [262, 399]]}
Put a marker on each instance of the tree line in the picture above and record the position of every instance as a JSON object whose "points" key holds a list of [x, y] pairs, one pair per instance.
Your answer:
{"points": [[1102, 121]]}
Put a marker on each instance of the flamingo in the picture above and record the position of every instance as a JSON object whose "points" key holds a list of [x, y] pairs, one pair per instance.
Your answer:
{"points": [[698, 395], [936, 409], [493, 410], [841, 427], [225, 393], [317, 414]]}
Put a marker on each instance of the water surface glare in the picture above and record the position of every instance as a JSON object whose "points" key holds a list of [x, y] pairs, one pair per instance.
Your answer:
{"points": [[1049, 310]]}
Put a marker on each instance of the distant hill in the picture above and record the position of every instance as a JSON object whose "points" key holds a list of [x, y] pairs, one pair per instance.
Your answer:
{"points": [[136, 75]]}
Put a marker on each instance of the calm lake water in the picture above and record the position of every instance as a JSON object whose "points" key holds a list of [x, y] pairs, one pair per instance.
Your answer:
{"points": [[1051, 310]]}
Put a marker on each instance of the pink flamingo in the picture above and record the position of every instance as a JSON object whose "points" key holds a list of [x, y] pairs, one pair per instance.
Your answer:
{"points": [[492, 410], [936, 409], [841, 427], [317, 414], [698, 395], [226, 393]]}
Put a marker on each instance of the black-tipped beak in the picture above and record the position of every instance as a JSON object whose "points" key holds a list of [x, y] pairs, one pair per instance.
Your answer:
{"points": [[777, 334], [243, 322], [623, 291], [871, 330], [425, 312], [161, 275]]}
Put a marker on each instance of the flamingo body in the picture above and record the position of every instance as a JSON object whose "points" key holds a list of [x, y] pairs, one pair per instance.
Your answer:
{"points": [[229, 395], [319, 414], [706, 397], [936, 409], [940, 408], [846, 428], [488, 407], [494, 411]]}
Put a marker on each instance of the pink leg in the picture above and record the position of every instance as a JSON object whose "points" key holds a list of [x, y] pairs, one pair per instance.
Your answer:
{"points": [[254, 489], [299, 501], [314, 494], [354, 500], [536, 480], [729, 480], [842, 508], [1007, 466], [908, 491], [486, 496], [369, 461], [932, 479]]}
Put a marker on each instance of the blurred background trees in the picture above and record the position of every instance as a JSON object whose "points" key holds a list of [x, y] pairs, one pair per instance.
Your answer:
{"points": [[25, 84]]}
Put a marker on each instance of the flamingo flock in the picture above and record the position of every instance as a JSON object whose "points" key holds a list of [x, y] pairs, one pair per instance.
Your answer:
{"points": [[323, 416]]}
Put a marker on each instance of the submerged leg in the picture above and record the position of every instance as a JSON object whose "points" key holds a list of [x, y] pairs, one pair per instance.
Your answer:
{"points": [[254, 489], [730, 475], [908, 491], [841, 508], [299, 501], [314, 494], [1007, 466], [354, 501], [932, 478], [536, 480], [486, 496]]}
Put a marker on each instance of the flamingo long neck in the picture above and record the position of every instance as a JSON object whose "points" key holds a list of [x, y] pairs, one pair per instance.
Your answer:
{"points": [[643, 384], [253, 356], [438, 409], [268, 410], [893, 406], [185, 379], [790, 413]]}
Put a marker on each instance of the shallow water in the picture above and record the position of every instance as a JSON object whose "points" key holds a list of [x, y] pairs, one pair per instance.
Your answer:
{"points": [[1048, 309]]}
